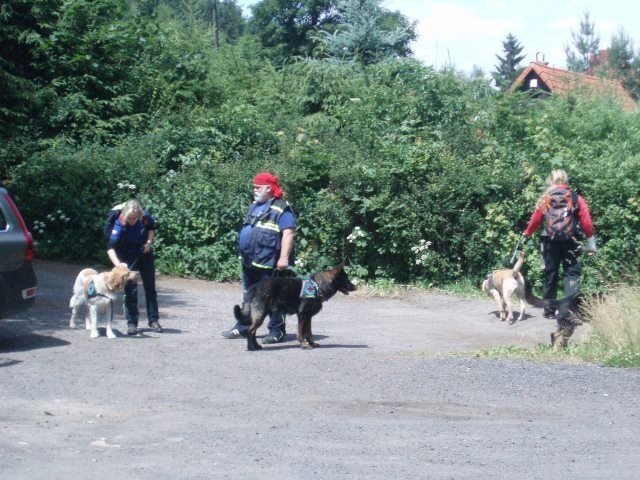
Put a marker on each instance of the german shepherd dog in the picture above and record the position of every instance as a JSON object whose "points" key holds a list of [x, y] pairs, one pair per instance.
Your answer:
{"points": [[569, 313], [287, 295]]}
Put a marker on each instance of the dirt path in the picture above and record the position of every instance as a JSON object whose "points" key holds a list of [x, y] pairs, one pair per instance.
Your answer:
{"points": [[380, 399]]}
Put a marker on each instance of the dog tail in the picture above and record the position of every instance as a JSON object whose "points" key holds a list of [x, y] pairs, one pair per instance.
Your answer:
{"points": [[239, 314], [518, 265], [532, 299]]}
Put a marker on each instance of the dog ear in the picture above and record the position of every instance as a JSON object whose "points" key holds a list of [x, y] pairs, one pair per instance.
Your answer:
{"points": [[111, 280]]}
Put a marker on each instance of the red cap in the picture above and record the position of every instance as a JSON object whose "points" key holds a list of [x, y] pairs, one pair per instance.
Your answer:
{"points": [[265, 178]]}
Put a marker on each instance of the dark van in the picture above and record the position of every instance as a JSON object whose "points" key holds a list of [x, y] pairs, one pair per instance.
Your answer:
{"points": [[18, 283]]}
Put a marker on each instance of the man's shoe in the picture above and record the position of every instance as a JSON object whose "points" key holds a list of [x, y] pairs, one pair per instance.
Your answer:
{"points": [[155, 325], [549, 314], [271, 338], [132, 329], [234, 333]]}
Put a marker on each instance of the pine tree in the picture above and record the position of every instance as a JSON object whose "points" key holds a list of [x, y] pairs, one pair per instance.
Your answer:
{"points": [[368, 33], [621, 63], [508, 68], [586, 44]]}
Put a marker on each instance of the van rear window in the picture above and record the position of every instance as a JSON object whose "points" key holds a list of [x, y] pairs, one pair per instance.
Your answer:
{"points": [[3, 221]]}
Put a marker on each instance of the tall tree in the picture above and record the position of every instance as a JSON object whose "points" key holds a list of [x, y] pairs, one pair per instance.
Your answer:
{"points": [[230, 23], [586, 43], [622, 64], [24, 27], [367, 33], [508, 67], [284, 26]]}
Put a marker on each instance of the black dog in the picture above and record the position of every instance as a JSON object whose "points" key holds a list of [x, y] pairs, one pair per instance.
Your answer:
{"points": [[569, 313], [291, 295]]}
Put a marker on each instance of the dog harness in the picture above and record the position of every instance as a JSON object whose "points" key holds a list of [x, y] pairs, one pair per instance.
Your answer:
{"points": [[91, 290], [309, 289], [490, 284]]}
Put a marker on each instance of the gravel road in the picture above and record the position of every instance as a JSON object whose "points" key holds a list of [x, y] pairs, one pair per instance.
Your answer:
{"points": [[382, 398]]}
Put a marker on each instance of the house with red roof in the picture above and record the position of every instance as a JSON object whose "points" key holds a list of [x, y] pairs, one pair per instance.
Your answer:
{"points": [[542, 80]]}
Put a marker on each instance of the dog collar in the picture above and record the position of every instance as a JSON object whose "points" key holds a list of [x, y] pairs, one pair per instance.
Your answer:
{"points": [[490, 284]]}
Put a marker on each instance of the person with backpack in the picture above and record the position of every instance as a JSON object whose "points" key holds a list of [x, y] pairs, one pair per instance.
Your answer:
{"points": [[129, 244], [567, 221], [266, 246]]}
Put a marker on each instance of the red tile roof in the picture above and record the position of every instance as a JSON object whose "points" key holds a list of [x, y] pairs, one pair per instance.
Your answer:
{"points": [[559, 81]]}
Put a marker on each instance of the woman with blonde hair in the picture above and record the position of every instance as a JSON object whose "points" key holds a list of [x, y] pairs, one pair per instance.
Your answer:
{"points": [[130, 244], [567, 221]]}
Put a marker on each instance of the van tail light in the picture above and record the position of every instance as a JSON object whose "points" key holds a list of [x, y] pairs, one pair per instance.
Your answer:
{"points": [[23, 226]]}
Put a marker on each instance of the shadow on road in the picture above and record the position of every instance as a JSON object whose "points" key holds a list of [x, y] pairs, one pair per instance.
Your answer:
{"points": [[10, 342]]}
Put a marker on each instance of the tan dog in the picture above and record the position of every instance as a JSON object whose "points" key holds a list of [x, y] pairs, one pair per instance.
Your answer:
{"points": [[502, 284], [98, 290]]}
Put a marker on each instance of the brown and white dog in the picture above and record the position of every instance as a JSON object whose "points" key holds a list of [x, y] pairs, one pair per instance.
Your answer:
{"points": [[502, 284], [98, 290]]}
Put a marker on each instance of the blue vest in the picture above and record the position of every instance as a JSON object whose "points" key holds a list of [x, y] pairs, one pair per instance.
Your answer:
{"points": [[262, 248]]}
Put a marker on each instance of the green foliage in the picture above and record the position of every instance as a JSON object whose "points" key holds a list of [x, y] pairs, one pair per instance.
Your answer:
{"points": [[408, 174], [363, 36], [65, 192], [283, 26], [198, 215], [586, 43], [23, 26], [508, 67]]}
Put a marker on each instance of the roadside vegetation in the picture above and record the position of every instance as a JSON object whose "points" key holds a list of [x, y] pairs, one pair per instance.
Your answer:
{"points": [[614, 340]]}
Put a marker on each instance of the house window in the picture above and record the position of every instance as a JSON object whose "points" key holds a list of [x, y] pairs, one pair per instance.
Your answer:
{"points": [[533, 83]]}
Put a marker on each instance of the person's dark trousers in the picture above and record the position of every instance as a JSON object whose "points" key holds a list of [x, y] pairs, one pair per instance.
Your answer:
{"points": [[555, 254], [145, 265], [251, 276]]}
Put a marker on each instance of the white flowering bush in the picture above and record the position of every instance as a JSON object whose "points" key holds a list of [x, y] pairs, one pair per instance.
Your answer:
{"points": [[127, 187], [421, 252], [52, 230], [357, 242]]}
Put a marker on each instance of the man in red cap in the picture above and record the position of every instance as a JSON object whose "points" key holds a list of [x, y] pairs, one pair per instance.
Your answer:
{"points": [[266, 246]]}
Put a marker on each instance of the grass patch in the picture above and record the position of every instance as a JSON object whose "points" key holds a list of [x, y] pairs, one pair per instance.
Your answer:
{"points": [[387, 288], [382, 288], [615, 341], [540, 353]]}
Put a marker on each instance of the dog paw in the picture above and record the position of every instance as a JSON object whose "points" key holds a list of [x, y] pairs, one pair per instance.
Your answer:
{"points": [[94, 334], [111, 335]]}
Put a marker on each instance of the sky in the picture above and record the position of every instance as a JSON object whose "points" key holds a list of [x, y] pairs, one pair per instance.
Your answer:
{"points": [[468, 33]]}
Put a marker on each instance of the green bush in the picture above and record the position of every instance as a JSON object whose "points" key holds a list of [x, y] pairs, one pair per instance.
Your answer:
{"points": [[416, 177]]}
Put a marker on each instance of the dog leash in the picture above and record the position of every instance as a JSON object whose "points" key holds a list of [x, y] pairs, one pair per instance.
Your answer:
{"points": [[297, 274], [516, 251]]}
